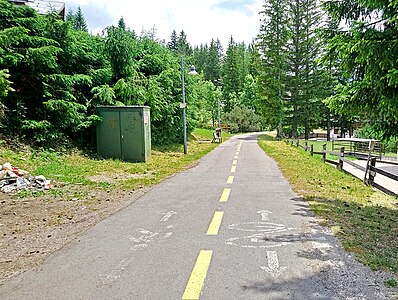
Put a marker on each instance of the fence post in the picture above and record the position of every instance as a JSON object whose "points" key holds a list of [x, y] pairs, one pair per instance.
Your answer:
{"points": [[324, 153], [312, 150], [306, 146], [340, 164], [372, 174], [297, 142]]}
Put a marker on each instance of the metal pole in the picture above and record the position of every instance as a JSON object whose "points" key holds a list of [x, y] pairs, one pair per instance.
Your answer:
{"points": [[184, 116], [219, 122]]}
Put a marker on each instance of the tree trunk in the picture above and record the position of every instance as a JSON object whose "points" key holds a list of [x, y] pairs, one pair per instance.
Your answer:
{"points": [[328, 128], [279, 131], [306, 133]]}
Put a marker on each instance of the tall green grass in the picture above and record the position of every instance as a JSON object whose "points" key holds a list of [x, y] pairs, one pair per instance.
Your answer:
{"points": [[78, 168]]}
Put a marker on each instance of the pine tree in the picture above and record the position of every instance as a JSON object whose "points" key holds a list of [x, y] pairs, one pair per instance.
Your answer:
{"points": [[313, 75], [200, 55], [231, 76], [173, 44], [70, 16], [79, 22], [243, 64], [120, 47], [213, 63], [303, 85], [271, 62], [184, 48], [121, 24], [329, 75]]}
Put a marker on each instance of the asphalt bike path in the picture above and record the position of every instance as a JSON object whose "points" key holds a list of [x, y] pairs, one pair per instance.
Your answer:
{"points": [[229, 228]]}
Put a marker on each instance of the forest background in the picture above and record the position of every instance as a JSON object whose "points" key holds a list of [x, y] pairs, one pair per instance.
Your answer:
{"points": [[314, 64]]}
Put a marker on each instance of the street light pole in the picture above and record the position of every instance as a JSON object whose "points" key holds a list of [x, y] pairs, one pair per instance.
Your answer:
{"points": [[183, 104], [218, 84], [219, 121]]}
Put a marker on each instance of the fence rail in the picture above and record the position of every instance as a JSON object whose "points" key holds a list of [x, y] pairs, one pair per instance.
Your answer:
{"points": [[370, 168]]}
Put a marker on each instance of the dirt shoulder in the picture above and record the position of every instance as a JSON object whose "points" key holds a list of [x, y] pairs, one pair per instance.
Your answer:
{"points": [[32, 228]]}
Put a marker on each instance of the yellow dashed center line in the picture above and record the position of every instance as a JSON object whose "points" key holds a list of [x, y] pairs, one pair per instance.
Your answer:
{"points": [[225, 195], [215, 223], [198, 276]]}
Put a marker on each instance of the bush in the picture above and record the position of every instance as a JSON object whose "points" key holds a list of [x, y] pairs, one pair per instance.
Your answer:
{"points": [[243, 119]]}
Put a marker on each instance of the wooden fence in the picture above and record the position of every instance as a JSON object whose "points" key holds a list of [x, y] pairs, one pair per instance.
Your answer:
{"points": [[370, 168], [315, 135]]}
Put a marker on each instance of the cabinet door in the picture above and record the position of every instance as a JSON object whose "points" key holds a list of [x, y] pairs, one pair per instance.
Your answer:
{"points": [[108, 135], [147, 133], [132, 135]]}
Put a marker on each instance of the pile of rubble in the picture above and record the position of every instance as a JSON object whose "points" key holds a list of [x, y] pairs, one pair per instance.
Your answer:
{"points": [[14, 179]]}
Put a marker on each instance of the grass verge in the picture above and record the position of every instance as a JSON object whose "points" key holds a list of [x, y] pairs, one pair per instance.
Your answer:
{"points": [[80, 169], [364, 220]]}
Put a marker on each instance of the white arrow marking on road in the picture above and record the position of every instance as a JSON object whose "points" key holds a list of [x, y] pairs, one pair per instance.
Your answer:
{"points": [[273, 264], [264, 214], [167, 216]]}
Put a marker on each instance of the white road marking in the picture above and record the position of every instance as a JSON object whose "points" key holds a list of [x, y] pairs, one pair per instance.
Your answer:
{"points": [[167, 216], [117, 271], [260, 227], [149, 236], [273, 264], [140, 243], [264, 214]]}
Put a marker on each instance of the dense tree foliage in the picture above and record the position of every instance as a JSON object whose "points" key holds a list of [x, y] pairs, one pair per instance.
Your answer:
{"points": [[48, 99], [243, 119], [53, 73], [365, 52], [303, 101], [310, 73], [271, 62]]}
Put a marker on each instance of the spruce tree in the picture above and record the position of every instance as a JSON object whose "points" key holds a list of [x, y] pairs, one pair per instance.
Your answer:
{"points": [[184, 48], [200, 55], [121, 24], [231, 76], [271, 62], [172, 45], [304, 79], [70, 16], [213, 64], [79, 22], [120, 47]]}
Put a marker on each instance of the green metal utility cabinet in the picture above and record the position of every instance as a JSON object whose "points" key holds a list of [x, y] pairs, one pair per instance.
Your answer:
{"points": [[124, 132]]}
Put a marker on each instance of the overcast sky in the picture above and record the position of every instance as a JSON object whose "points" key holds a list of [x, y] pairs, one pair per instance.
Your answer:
{"points": [[201, 20]]}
